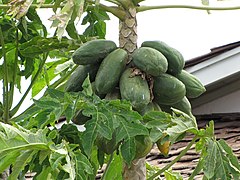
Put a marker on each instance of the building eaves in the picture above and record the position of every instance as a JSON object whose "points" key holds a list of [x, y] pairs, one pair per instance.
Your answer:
{"points": [[214, 52]]}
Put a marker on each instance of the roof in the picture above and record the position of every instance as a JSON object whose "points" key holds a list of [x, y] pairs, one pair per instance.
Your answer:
{"points": [[227, 127], [214, 52]]}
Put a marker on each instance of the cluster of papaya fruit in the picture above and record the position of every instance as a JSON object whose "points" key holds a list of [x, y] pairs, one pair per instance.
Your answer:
{"points": [[154, 79]]}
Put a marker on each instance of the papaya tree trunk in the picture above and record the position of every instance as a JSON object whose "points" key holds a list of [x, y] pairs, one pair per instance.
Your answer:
{"points": [[128, 41], [128, 31]]}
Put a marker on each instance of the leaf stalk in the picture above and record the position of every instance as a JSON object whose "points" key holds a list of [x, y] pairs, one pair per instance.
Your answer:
{"points": [[16, 108], [107, 167], [5, 80], [175, 160], [11, 93], [215, 8]]}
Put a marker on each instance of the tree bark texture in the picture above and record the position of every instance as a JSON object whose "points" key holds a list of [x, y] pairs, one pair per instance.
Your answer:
{"points": [[128, 32], [137, 171], [128, 41]]}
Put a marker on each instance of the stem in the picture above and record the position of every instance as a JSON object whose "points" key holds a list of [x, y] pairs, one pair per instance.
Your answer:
{"points": [[15, 72], [146, 8], [16, 108], [175, 160], [114, 2], [116, 11], [63, 78], [107, 167], [126, 4], [5, 80], [54, 85]]}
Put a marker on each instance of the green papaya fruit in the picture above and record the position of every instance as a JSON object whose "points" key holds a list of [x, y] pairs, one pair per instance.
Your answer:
{"points": [[143, 146], [75, 81], [168, 89], [194, 87], [105, 145], [93, 52], [184, 105], [115, 94], [174, 57], [134, 88], [150, 61], [110, 71]]}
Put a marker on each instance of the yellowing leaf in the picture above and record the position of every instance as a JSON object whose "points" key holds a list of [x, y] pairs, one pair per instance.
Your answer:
{"points": [[18, 8]]}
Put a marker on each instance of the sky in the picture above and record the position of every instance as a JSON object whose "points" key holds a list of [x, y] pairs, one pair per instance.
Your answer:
{"points": [[192, 32]]}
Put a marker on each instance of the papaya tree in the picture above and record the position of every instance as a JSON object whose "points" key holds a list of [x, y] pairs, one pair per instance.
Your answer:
{"points": [[118, 94]]}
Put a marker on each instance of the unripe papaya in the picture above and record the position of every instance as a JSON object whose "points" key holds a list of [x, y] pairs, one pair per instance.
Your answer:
{"points": [[174, 57], [134, 88], [184, 105], [93, 52], [110, 71], [75, 81], [115, 94], [168, 89], [143, 146], [194, 87], [150, 61], [105, 145]]}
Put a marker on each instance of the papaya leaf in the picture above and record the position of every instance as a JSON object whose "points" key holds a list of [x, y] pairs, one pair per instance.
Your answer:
{"points": [[45, 173], [219, 161], [33, 16], [157, 122], [78, 10], [47, 103], [115, 169], [151, 170], [56, 94], [83, 165], [182, 123], [169, 175], [221, 170], [70, 133], [20, 163], [128, 150], [155, 134], [229, 152], [211, 159], [19, 9], [89, 136], [61, 19], [231, 161], [209, 130], [12, 139], [30, 112], [8, 159], [69, 167], [87, 87], [156, 118], [128, 129]]}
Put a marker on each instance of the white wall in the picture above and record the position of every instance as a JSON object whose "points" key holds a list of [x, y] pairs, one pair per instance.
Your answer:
{"points": [[229, 103]]}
